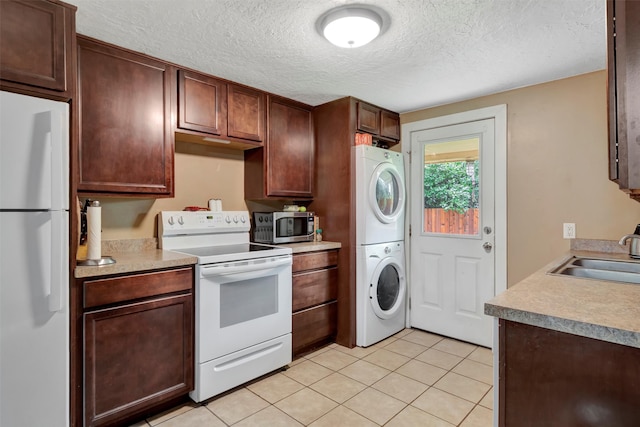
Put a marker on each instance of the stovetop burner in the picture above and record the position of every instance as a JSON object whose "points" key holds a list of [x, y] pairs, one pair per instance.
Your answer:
{"points": [[241, 249]]}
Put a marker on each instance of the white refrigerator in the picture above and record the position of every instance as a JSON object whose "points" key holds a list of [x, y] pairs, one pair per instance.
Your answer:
{"points": [[34, 262]]}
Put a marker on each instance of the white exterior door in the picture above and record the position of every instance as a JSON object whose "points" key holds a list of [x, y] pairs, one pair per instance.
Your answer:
{"points": [[452, 221]]}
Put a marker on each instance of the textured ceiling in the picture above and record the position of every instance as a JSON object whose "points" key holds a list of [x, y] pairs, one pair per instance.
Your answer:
{"points": [[434, 51]]}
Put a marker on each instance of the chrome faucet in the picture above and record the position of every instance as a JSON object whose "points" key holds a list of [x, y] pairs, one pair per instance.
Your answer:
{"points": [[634, 246]]}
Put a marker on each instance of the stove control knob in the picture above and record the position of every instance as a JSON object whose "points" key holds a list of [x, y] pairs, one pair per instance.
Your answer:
{"points": [[243, 219], [227, 219], [170, 220], [235, 219], [180, 220]]}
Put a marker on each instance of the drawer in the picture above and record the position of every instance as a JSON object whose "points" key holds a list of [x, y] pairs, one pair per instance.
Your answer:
{"points": [[314, 325], [314, 260], [314, 287], [110, 291]]}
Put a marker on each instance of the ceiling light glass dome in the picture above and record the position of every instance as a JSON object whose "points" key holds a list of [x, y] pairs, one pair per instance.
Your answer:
{"points": [[350, 27]]}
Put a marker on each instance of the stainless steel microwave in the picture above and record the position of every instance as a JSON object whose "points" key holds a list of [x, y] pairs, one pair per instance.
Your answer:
{"points": [[282, 227]]}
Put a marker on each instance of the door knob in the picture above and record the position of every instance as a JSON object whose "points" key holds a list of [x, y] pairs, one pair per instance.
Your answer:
{"points": [[487, 246]]}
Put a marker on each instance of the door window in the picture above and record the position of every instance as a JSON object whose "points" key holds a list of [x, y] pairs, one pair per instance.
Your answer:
{"points": [[451, 178]]}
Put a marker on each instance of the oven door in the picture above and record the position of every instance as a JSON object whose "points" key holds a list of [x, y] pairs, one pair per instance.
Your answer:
{"points": [[241, 304]]}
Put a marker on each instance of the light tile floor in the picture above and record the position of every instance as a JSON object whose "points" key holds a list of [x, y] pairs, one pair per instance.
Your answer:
{"points": [[413, 378]]}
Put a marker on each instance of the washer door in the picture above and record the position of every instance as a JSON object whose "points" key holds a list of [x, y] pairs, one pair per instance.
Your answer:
{"points": [[386, 193], [387, 288]]}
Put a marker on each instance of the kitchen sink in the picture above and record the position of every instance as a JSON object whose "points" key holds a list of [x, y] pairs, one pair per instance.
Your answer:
{"points": [[607, 264], [601, 269]]}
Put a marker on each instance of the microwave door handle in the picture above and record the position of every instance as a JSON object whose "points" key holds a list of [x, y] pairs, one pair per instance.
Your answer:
{"points": [[216, 270]]}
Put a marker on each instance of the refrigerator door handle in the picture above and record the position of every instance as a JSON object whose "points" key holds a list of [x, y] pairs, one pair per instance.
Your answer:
{"points": [[58, 264], [58, 172]]}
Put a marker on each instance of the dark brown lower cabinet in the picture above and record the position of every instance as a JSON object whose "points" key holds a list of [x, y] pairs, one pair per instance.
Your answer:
{"points": [[138, 344], [550, 378], [315, 290]]}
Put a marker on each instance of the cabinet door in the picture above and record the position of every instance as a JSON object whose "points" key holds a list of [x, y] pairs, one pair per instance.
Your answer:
{"points": [[290, 150], [314, 287], [136, 356], [623, 32], [551, 378], [368, 118], [246, 113], [314, 260], [202, 103], [33, 43], [313, 326], [390, 125], [113, 290], [126, 143]]}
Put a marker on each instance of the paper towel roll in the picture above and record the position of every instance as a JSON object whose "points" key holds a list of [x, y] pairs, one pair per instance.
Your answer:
{"points": [[94, 231]]}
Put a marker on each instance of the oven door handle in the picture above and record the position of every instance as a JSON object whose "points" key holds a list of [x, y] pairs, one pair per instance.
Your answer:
{"points": [[216, 270]]}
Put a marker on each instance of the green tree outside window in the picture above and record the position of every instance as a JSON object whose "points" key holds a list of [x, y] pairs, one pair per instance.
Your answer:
{"points": [[451, 186]]}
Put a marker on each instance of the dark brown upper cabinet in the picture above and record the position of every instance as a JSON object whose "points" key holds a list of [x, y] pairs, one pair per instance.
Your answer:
{"points": [[284, 167], [623, 54], [246, 113], [36, 47], [368, 118], [202, 103], [126, 143], [382, 124], [211, 107], [390, 125]]}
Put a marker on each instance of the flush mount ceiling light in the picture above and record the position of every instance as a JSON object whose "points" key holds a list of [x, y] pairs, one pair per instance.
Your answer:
{"points": [[351, 25]]}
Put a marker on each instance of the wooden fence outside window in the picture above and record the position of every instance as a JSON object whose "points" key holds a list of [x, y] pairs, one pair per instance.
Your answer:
{"points": [[451, 222]]}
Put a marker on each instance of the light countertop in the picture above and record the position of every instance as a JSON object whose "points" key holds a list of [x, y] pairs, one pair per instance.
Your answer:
{"points": [[133, 256], [608, 311], [311, 246]]}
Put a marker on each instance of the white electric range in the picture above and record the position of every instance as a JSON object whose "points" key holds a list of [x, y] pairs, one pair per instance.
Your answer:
{"points": [[242, 297]]}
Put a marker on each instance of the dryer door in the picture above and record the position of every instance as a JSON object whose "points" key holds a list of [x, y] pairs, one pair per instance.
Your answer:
{"points": [[386, 193], [387, 289]]}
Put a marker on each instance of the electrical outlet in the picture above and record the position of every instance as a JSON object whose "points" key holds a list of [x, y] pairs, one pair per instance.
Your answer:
{"points": [[569, 230]]}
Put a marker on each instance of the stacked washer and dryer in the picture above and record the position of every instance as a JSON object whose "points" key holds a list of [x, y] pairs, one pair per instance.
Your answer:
{"points": [[380, 264]]}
